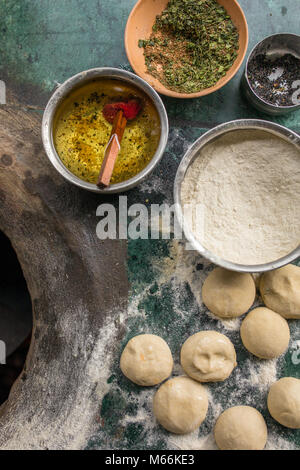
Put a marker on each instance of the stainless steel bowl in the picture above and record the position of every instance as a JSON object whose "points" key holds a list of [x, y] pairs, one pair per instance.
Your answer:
{"points": [[187, 160], [74, 83], [273, 46]]}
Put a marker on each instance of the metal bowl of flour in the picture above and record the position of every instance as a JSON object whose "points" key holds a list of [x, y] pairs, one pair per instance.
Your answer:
{"points": [[189, 157]]}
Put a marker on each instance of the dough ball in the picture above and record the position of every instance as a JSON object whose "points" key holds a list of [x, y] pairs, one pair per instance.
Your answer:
{"points": [[208, 356], [146, 360], [265, 333], [228, 294], [241, 428], [284, 402], [280, 290], [180, 405]]}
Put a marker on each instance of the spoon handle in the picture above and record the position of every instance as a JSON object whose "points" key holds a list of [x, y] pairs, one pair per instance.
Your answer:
{"points": [[112, 150]]}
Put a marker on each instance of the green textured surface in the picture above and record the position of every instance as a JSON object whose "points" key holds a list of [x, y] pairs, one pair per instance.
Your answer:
{"points": [[168, 308], [46, 41], [43, 42]]}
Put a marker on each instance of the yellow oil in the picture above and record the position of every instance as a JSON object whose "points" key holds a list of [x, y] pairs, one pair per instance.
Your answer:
{"points": [[81, 132]]}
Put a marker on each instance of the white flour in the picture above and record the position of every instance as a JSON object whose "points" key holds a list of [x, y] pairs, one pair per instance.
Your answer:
{"points": [[248, 183]]}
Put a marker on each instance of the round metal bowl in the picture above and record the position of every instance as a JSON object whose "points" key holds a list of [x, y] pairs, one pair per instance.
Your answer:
{"points": [[76, 82], [273, 46], [139, 26], [187, 160]]}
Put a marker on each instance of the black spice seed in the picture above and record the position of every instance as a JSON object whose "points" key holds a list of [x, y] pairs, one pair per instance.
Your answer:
{"points": [[272, 80]]}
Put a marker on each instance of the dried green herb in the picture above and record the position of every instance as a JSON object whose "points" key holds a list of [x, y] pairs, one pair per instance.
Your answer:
{"points": [[193, 44]]}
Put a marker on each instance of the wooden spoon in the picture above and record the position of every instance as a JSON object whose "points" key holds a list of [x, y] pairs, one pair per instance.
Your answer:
{"points": [[118, 114]]}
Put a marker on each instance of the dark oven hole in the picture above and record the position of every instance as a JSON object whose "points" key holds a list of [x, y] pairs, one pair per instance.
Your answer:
{"points": [[15, 318]]}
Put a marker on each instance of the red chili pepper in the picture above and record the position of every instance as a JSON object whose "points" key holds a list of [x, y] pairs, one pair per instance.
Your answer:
{"points": [[130, 108]]}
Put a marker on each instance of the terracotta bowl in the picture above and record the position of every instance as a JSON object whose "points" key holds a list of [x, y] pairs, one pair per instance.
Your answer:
{"points": [[139, 26]]}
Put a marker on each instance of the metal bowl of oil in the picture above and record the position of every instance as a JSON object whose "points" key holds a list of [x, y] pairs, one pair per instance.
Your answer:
{"points": [[76, 156]]}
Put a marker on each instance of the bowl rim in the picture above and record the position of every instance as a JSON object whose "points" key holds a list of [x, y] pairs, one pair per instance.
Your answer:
{"points": [[80, 79], [174, 94], [270, 105], [188, 158]]}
